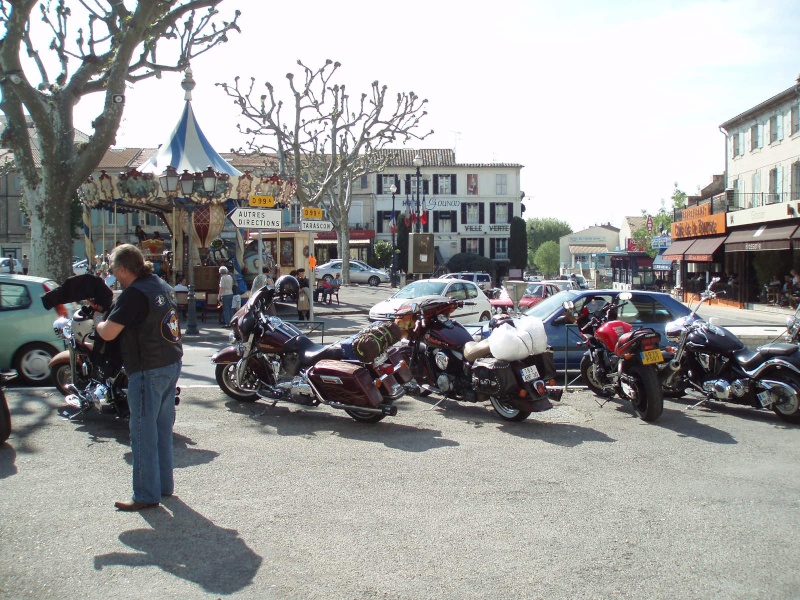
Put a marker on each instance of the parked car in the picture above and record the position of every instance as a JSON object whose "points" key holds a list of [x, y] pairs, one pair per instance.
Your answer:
{"points": [[360, 272], [482, 279], [478, 308], [645, 309], [6, 262], [28, 341], [80, 267], [534, 293], [563, 284]]}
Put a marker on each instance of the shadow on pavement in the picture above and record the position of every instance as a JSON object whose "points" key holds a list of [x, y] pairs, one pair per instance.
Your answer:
{"points": [[187, 545]]}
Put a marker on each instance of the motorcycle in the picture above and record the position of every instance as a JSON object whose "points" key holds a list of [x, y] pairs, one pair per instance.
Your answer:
{"points": [[5, 413], [272, 359], [446, 360], [712, 361], [620, 359]]}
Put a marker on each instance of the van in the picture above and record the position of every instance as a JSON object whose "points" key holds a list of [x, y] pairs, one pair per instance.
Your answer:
{"points": [[482, 279]]}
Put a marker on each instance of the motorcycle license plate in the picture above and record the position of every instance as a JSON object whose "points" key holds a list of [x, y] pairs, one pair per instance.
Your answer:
{"points": [[529, 373], [650, 357]]}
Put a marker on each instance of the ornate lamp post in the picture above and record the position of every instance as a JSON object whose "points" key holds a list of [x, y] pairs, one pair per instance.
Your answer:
{"points": [[393, 227]]}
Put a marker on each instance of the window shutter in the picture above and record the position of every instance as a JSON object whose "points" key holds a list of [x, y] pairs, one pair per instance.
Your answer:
{"points": [[364, 182], [463, 214], [760, 130], [480, 247], [491, 247], [379, 224], [425, 186], [408, 184], [510, 211], [780, 127], [453, 185], [453, 224], [741, 142], [463, 245], [436, 221], [397, 183], [481, 218], [380, 184], [491, 213], [779, 182], [435, 184]]}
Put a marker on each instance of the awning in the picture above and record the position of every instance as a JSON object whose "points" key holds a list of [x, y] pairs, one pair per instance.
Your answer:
{"points": [[677, 249], [318, 242], [702, 249], [588, 250], [765, 237], [662, 264]]}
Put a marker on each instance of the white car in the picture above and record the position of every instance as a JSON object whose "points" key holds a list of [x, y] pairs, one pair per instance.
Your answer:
{"points": [[360, 272], [81, 267], [5, 265], [476, 305]]}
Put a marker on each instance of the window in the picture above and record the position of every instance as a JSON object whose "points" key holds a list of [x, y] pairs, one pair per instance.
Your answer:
{"points": [[737, 148], [501, 213], [755, 137], [296, 212], [795, 119], [444, 184], [364, 182], [643, 309], [500, 248], [774, 128], [472, 185], [472, 245], [501, 184], [796, 180], [457, 291], [473, 214], [14, 297], [737, 193], [756, 181], [775, 185], [387, 181]]}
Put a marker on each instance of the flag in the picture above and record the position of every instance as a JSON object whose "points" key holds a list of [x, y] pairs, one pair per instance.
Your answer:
{"points": [[424, 218], [393, 223]]}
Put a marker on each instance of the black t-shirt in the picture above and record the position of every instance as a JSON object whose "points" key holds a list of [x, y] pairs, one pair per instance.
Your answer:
{"points": [[130, 308]]}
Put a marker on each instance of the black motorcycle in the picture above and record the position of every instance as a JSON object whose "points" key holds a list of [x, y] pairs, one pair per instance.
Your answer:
{"points": [[710, 360], [5, 413]]}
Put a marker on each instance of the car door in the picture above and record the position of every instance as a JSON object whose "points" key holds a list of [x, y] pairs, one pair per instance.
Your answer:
{"points": [[466, 291]]}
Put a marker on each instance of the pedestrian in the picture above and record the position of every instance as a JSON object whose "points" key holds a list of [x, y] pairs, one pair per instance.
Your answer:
{"points": [[145, 320], [262, 279], [303, 296], [25, 263], [140, 234], [11, 262], [226, 295]]}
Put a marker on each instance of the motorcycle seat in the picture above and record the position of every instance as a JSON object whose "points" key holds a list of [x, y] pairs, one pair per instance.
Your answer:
{"points": [[750, 359], [476, 350], [311, 353]]}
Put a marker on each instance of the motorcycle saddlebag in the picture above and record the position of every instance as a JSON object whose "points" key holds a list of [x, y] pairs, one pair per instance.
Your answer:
{"points": [[344, 382], [493, 376]]}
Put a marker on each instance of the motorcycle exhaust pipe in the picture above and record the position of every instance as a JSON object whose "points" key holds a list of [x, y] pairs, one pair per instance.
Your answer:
{"points": [[384, 409]]}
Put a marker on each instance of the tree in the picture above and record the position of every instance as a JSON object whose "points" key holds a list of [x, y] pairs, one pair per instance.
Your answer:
{"points": [[468, 261], [545, 230], [113, 48], [547, 258], [662, 221], [518, 244], [382, 252], [325, 143]]}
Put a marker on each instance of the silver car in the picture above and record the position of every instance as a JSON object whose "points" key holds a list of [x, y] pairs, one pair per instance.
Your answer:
{"points": [[360, 272]]}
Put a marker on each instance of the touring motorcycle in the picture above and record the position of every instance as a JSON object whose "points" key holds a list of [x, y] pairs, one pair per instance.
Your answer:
{"points": [[712, 361], [620, 359], [446, 360], [271, 359], [5, 413]]}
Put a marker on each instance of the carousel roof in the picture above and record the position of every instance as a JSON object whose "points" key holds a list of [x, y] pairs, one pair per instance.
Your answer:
{"points": [[187, 150]]}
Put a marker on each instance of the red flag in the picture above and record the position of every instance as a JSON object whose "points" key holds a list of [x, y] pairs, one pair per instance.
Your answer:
{"points": [[424, 218]]}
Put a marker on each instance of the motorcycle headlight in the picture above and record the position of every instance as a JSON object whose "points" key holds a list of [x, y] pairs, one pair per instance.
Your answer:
{"points": [[63, 327]]}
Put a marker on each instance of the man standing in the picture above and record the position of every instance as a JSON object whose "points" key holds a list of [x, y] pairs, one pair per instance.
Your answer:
{"points": [[145, 318], [25, 263]]}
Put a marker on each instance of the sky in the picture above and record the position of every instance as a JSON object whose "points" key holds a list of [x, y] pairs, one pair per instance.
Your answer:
{"points": [[606, 104]]}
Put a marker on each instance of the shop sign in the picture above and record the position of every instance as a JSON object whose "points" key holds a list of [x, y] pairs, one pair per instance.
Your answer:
{"points": [[699, 226]]}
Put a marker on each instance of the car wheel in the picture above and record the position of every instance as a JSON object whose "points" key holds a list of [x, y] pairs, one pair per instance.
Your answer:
{"points": [[485, 317], [32, 363], [374, 280]]}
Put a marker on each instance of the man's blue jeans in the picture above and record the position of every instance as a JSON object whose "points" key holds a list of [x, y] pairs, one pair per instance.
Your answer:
{"points": [[227, 312], [151, 397]]}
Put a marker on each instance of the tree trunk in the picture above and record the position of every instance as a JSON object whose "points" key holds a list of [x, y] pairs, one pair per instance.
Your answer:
{"points": [[49, 213]]}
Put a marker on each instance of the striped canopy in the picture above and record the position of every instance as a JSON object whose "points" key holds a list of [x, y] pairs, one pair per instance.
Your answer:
{"points": [[187, 150]]}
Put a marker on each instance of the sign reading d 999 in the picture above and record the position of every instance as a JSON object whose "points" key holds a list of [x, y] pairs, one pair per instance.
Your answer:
{"points": [[265, 201], [312, 213]]}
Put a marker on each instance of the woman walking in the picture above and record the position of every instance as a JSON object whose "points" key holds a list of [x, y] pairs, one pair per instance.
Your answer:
{"points": [[225, 295]]}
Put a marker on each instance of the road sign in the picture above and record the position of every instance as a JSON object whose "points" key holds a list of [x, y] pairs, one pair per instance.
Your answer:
{"points": [[313, 213], [316, 226], [262, 201], [255, 218]]}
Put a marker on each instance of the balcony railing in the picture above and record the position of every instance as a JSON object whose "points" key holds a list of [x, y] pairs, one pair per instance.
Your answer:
{"points": [[742, 200]]}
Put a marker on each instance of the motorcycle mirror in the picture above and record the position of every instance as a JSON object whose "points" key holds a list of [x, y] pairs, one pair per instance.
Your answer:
{"points": [[560, 320], [625, 296], [569, 305]]}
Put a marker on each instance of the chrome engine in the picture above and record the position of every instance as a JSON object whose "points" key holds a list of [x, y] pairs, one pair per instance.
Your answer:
{"points": [[725, 390]]}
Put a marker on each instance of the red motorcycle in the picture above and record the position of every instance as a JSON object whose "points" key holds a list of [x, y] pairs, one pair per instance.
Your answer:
{"points": [[271, 359], [620, 359], [446, 360]]}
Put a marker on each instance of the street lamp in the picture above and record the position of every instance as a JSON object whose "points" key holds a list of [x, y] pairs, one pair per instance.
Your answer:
{"points": [[418, 163], [393, 227]]}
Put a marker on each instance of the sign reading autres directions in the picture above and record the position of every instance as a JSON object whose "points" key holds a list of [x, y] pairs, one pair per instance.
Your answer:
{"points": [[256, 218]]}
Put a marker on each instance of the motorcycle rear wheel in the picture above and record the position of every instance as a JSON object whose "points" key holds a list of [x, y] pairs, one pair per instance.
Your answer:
{"points": [[507, 411], [364, 417], [649, 399], [226, 380], [789, 410], [588, 372]]}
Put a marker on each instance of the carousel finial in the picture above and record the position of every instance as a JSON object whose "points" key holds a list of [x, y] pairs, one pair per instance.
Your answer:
{"points": [[188, 84]]}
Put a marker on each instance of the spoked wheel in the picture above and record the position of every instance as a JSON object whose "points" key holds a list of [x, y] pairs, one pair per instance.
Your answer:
{"points": [[226, 379], [788, 406], [364, 417], [507, 411], [62, 376], [589, 374], [643, 389]]}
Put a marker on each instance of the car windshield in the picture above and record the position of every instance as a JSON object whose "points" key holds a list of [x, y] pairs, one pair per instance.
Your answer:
{"points": [[534, 289], [549, 305], [422, 288]]}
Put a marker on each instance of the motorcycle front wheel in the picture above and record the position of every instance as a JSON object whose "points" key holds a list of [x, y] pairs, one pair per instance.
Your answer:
{"points": [[646, 395], [507, 411], [62, 377], [364, 417], [589, 374], [226, 379]]}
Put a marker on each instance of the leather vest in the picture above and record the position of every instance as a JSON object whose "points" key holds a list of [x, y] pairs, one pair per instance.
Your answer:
{"points": [[156, 342]]}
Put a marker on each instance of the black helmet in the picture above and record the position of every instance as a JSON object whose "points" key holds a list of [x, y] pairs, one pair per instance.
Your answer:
{"points": [[287, 285], [498, 320]]}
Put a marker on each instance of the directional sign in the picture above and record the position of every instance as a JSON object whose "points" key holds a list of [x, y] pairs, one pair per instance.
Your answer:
{"points": [[255, 218], [312, 213], [263, 201], [316, 226]]}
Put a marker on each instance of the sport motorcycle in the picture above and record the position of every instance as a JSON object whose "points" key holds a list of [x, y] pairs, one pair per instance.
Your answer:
{"points": [[619, 359], [271, 359], [710, 360], [510, 368]]}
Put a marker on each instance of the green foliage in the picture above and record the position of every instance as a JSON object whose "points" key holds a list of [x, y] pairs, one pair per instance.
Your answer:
{"points": [[518, 244], [382, 255], [545, 230], [662, 221], [547, 258], [466, 261]]}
